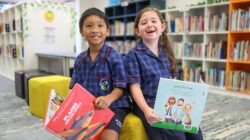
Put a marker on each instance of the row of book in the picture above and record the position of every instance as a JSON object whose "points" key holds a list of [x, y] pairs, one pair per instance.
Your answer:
{"points": [[193, 50], [195, 24], [176, 25], [177, 48], [192, 73], [240, 20], [119, 28], [240, 51], [218, 22], [216, 50], [122, 47], [12, 50], [12, 26], [215, 77], [239, 81], [1, 28]]}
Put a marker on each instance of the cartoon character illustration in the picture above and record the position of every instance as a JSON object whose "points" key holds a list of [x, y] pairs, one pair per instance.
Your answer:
{"points": [[81, 130], [169, 107], [187, 109], [179, 112]]}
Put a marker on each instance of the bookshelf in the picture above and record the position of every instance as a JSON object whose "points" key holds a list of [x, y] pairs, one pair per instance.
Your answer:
{"points": [[238, 64], [25, 29], [121, 19], [201, 39], [200, 33]]}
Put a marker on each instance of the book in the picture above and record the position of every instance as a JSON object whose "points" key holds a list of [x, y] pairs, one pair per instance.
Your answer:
{"points": [[77, 118], [55, 101], [180, 105]]}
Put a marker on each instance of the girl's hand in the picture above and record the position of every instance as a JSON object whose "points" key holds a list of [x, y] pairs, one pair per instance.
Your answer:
{"points": [[150, 116], [102, 102]]}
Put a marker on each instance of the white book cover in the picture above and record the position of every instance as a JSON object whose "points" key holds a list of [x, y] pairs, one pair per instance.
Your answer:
{"points": [[180, 104]]}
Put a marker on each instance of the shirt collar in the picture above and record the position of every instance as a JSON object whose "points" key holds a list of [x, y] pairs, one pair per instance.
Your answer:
{"points": [[102, 53], [142, 47]]}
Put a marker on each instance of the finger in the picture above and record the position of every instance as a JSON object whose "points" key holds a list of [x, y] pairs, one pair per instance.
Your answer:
{"points": [[97, 101]]}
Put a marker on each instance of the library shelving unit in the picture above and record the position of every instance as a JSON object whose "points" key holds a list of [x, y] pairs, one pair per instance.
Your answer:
{"points": [[238, 64], [198, 31], [122, 18], [28, 28]]}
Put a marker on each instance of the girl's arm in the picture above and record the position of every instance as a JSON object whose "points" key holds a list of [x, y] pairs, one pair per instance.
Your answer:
{"points": [[138, 97], [103, 102]]}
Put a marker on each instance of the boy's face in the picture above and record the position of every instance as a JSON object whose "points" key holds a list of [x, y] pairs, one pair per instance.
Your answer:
{"points": [[95, 31], [150, 27]]}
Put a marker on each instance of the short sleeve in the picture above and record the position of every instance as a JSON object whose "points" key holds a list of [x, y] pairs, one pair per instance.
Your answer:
{"points": [[132, 68], [118, 70]]}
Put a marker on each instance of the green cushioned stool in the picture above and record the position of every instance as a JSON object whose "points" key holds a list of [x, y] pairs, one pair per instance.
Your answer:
{"points": [[39, 91], [133, 129]]}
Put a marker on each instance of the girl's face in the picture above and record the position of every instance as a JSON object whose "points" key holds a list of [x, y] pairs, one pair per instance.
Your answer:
{"points": [[95, 31], [150, 27]]}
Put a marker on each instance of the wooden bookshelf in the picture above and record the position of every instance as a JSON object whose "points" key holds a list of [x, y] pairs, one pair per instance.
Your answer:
{"points": [[238, 34]]}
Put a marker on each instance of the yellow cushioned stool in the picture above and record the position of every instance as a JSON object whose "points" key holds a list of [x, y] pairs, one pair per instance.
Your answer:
{"points": [[39, 91], [133, 129]]}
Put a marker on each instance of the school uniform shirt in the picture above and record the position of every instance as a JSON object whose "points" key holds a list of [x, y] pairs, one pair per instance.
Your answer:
{"points": [[102, 75], [145, 68]]}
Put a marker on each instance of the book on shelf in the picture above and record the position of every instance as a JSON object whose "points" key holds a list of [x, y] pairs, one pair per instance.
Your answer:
{"points": [[240, 19], [180, 105], [239, 81], [240, 51], [76, 117]]}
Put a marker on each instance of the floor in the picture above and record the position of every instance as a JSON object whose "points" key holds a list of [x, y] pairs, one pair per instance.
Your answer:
{"points": [[226, 117]]}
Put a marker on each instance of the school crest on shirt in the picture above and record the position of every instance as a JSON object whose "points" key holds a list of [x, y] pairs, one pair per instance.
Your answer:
{"points": [[104, 84]]}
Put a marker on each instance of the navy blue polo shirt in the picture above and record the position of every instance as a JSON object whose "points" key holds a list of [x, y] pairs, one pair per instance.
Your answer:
{"points": [[102, 75], [145, 68]]}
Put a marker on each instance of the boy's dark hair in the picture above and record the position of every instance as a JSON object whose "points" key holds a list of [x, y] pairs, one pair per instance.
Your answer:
{"points": [[92, 12]]}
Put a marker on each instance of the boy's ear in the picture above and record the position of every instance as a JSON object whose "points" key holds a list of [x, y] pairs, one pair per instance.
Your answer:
{"points": [[81, 32]]}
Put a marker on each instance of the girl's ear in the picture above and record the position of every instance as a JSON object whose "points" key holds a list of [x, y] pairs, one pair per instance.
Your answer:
{"points": [[137, 32], [108, 31], [164, 26]]}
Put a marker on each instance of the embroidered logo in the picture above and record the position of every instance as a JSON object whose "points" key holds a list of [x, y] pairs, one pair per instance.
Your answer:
{"points": [[104, 84]]}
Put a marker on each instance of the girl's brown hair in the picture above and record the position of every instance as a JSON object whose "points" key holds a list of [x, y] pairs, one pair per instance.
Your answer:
{"points": [[163, 41]]}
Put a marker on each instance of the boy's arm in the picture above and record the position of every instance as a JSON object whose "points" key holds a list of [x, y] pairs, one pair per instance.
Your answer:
{"points": [[104, 102]]}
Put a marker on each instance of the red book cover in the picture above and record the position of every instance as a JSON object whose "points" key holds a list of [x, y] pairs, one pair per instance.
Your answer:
{"points": [[77, 118]]}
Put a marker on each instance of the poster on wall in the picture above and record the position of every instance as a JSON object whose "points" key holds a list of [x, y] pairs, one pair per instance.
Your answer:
{"points": [[49, 36]]}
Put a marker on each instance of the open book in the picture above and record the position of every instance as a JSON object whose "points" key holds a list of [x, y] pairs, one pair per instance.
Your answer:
{"points": [[76, 118], [180, 104]]}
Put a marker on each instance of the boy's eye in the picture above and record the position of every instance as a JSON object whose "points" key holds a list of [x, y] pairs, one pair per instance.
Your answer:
{"points": [[101, 25], [88, 25]]}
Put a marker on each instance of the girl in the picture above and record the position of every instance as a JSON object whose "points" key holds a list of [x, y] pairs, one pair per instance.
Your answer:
{"points": [[151, 59], [101, 71]]}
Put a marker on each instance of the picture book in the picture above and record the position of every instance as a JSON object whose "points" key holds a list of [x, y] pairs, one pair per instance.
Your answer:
{"points": [[55, 101], [77, 118], [180, 104]]}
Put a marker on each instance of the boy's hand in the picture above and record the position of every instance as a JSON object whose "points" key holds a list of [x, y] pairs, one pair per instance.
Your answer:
{"points": [[102, 102]]}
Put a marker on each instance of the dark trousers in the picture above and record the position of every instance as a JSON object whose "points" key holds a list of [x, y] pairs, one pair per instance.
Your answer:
{"points": [[190, 136], [155, 133]]}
